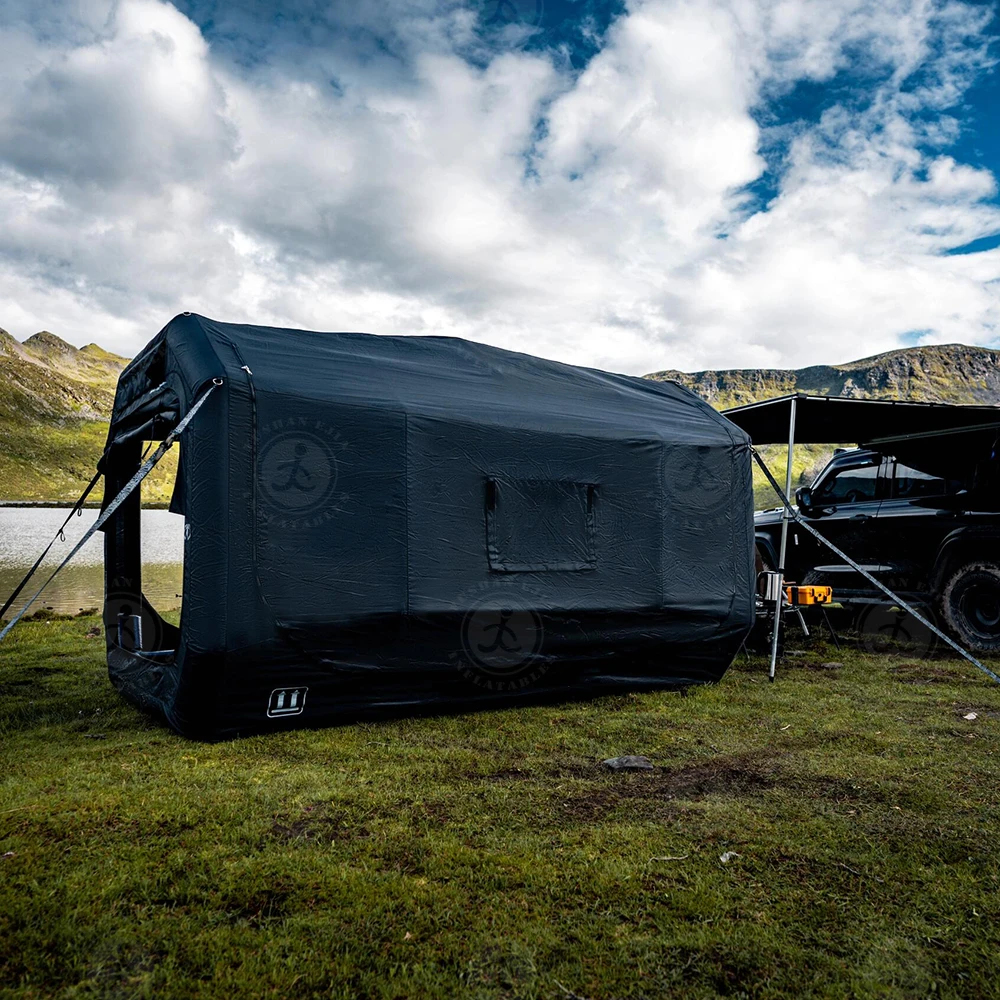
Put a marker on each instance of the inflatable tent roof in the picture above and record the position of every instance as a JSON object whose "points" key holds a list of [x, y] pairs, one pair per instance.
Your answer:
{"points": [[394, 524]]}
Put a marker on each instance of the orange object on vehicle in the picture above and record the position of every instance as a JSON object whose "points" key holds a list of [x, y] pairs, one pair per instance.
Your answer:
{"points": [[808, 595]]}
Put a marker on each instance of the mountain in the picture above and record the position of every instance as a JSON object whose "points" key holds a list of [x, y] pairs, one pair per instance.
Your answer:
{"points": [[54, 402], [951, 373]]}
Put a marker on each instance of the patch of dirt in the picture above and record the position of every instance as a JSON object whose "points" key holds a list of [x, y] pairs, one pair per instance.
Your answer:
{"points": [[508, 774], [923, 673], [818, 666], [832, 789], [434, 812], [736, 775], [591, 805], [981, 713], [826, 666], [263, 907]]}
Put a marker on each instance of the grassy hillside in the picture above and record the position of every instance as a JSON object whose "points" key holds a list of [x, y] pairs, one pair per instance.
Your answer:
{"points": [[54, 402], [950, 373]]}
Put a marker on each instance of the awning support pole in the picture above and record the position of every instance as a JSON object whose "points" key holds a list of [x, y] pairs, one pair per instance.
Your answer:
{"points": [[779, 600]]}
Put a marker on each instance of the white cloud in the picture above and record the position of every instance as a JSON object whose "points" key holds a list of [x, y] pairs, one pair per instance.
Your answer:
{"points": [[597, 217]]}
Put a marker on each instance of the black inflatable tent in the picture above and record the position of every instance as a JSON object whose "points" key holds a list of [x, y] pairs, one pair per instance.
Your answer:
{"points": [[408, 523]]}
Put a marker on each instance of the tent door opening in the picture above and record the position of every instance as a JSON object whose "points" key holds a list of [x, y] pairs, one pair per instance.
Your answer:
{"points": [[133, 625]]}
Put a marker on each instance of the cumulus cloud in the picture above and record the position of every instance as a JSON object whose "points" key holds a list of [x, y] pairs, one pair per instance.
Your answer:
{"points": [[394, 168]]}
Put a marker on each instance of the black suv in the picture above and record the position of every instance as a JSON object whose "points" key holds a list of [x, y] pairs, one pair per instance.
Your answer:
{"points": [[926, 537]]}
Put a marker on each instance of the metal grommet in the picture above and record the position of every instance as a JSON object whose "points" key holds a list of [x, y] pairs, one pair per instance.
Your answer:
{"points": [[186, 313], [216, 381]]}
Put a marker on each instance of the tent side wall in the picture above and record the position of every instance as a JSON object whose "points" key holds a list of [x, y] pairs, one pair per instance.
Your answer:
{"points": [[364, 601]]}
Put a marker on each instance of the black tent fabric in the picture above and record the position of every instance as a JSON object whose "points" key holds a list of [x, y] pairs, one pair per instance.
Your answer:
{"points": [[842, 420], [958, 441], [399, 524]]}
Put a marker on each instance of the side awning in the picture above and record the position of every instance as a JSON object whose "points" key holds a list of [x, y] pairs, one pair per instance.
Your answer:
{"points": [[867, 422], [949, 439]]}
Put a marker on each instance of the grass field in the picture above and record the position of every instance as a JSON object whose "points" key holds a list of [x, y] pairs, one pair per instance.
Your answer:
{"points": [[490, 855]]}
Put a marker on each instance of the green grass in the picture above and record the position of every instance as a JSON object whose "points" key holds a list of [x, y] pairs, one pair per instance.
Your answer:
{"points": [[54, 462], [808, 461], [490, 856]]}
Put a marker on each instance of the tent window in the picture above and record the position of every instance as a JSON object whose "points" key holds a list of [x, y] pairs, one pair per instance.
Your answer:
{"points": [[537, 525]]}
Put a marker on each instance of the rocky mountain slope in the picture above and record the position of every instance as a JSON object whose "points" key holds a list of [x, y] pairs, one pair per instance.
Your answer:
{"points": [[54, 402], [951, 373]]}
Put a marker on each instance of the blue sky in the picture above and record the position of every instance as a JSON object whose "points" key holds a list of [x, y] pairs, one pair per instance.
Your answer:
{"points": [[979, 142], [636, 185]]}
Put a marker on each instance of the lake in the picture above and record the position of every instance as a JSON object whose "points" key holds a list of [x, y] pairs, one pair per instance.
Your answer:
{"points": [[25, 531]]}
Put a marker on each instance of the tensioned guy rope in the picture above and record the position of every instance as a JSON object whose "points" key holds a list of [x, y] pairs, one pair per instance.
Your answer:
{"points": [[143, 471]]}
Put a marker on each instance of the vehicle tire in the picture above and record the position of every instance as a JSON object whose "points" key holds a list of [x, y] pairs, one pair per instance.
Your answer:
{"points": [[969, 605]]}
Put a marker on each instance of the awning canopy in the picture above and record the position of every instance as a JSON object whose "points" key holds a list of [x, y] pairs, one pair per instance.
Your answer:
{"points": [[948, 439], [869, 422]]}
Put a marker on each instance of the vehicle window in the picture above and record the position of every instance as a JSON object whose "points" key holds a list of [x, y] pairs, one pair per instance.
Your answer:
{"points": [[909, 483], [853, 484]]}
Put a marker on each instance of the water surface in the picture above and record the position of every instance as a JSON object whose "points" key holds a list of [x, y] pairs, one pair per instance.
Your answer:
{"points": [[25, 531]]}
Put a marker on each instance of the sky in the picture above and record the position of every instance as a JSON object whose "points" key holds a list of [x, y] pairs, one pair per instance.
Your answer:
{"points": [[633, 185]]}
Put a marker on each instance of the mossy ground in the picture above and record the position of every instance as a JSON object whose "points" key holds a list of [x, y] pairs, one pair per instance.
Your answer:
{"points": [[490, 855]]}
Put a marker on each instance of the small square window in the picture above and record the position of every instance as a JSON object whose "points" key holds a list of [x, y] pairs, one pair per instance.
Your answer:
{"points": [[538, 525]]}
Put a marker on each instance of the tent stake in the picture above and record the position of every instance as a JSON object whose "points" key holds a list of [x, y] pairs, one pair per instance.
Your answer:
{"points": [[779, 600]]}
